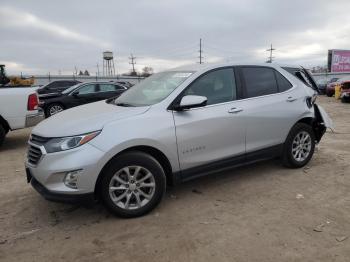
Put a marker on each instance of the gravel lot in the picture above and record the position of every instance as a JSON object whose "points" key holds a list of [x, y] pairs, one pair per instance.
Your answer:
{"points": [[263, 212]]}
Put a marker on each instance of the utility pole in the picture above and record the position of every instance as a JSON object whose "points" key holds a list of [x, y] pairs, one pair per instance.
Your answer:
{"points": [[270, 58], [98, 70], [133, 62], [200, 51]]}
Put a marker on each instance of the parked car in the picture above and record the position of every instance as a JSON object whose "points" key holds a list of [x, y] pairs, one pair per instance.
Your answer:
{"points": [[56, 86], [18, 109], [345, 92], [80, 94], [322, 84], [330, 89], [172, 127]]}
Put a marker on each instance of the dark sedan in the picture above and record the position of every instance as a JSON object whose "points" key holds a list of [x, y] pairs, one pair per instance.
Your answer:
{"points": [[80, 94], [56, 86]]}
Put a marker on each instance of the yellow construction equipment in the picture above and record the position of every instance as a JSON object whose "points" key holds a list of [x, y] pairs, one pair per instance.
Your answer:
{"points": [[14, 80]]}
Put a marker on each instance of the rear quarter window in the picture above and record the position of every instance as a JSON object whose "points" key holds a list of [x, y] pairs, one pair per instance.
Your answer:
{"points": [[283, 83]]}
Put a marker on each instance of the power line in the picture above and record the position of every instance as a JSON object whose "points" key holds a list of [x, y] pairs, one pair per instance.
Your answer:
{"points": [[270, 58], [133, 62], [200, 51]]}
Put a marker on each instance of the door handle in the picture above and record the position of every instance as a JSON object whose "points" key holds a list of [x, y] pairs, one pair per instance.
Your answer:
{"points": [[290, 99], [235, 110]]}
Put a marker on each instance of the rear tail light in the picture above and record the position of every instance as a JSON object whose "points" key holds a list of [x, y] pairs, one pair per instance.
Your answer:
{"points": [[33, 102]]}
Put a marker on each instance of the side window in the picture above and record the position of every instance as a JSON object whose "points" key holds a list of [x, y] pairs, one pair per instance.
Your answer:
{"points": [[259, 81], [63, 84], [52, 85], [88, 89], [283, 83], [218, 86], [107, 88]]}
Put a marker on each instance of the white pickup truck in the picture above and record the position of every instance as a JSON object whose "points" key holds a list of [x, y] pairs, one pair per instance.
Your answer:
{"points": [[18, 109]]}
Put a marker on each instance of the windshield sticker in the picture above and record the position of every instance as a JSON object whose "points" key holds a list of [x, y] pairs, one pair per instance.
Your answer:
{"points": [[182, 75]]}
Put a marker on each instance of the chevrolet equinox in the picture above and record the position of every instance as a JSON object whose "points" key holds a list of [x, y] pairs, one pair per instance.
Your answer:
{"points": [[171, 127]]}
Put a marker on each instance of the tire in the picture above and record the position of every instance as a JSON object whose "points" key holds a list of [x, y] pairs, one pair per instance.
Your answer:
{"points": [[2, 134], [345, 100], [329, 94], [126, 200], [291, 157], [53, 109]]}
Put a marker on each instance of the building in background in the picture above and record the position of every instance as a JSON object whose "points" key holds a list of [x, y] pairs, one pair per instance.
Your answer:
{"points": [[338, 61]]}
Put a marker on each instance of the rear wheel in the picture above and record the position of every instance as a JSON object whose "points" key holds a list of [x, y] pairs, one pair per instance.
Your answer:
{"points": [[53, 109], [2, 134], [133, 184], [329, 94], [299, 146]]}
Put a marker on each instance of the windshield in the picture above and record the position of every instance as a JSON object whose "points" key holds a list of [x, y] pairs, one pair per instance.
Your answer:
{"points": [[68, 90], [153, 89]]}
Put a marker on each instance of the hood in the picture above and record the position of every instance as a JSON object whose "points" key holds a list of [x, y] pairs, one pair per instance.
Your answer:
{"points": [[84, 119]]}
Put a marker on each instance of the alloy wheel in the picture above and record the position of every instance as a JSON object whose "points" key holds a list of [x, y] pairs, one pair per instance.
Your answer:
{"points": [[301, 146], [55, 109], [132, 187]]}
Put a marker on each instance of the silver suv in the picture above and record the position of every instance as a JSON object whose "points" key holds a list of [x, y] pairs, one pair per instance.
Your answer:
{"points": [[172, 127]]}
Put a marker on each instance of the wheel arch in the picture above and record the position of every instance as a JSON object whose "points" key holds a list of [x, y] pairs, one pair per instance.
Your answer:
{"points": [[4, 124], [315, 123], [152, 151]]}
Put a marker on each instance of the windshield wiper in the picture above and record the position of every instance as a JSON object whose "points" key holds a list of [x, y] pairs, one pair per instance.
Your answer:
{"points": [[124, 104]]}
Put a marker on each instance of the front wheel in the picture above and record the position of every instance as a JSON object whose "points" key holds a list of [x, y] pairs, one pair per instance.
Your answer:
{"points": [[299, 146], [133, 184]]}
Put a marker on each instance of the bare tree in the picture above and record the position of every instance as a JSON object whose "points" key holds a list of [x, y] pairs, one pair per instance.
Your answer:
{"points": [[147, 71]]}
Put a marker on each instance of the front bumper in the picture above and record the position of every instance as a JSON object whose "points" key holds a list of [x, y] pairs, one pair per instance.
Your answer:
{"points": [[34, 119], [63, 198], [48, 175]]}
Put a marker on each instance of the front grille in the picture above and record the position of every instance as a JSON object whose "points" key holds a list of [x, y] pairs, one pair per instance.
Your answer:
{"points": [[38, 140], [34, 154]]}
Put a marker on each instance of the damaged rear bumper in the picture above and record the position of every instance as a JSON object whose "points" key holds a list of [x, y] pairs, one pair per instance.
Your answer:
{"points": [[322, 122]]}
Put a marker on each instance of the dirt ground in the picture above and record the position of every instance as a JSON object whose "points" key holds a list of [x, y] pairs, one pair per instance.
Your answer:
{"points": [[262, 212]]}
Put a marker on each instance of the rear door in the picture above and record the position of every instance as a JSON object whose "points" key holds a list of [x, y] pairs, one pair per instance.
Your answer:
{"points": [[271, 106], [215, 133]]}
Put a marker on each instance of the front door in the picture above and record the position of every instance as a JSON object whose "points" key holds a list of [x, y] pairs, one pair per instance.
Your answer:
{"points": [[213, 133], [86, 94]]}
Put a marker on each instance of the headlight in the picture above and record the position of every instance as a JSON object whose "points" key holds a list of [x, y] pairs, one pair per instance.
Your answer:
{"points": [[66, 143]]}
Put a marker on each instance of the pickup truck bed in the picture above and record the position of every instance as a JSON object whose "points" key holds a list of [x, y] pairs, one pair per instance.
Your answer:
{"points": [[18, 109]]}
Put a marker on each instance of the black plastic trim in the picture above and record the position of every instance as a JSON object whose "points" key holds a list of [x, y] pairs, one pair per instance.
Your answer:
{"points": [[229, 163], [63, 198]]}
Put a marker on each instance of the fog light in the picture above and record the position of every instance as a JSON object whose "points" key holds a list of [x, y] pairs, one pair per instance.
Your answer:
{"points": [[71, 178]]}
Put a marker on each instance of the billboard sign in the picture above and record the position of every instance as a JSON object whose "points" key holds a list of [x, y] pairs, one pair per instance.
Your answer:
{"points": [[339, 61]]}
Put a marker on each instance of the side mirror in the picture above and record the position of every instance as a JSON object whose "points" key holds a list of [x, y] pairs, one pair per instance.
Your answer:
{"points": [[191, 101]]}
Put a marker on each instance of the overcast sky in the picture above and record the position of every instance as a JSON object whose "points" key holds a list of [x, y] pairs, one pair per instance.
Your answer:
{"points": [[37, 37]]}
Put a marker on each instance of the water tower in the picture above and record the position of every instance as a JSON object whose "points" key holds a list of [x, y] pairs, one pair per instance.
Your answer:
{"points": [[108, 64]]}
